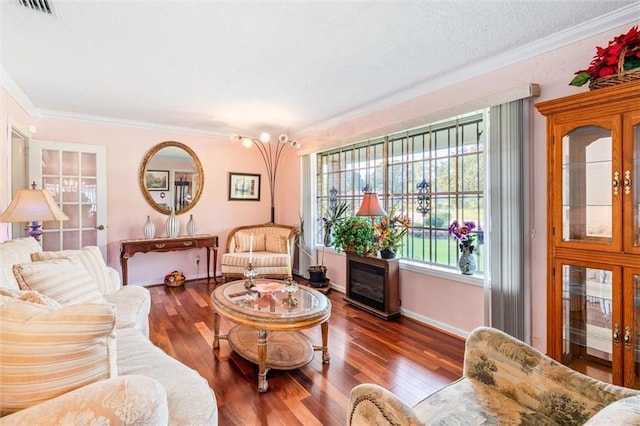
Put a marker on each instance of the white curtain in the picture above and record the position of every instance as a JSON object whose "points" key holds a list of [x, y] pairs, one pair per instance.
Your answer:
{"points": [[308, 218], [507, 276]]}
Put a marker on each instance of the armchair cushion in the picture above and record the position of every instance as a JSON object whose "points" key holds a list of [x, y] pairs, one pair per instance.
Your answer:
{"points": [[243, 241], [276, 244], [65, 280], [45, 352]]}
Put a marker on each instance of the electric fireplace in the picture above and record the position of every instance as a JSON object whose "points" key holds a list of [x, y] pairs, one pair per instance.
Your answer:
{"points": [[372, 285]]}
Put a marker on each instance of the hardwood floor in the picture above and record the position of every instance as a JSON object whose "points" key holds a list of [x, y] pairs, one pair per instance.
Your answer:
{"points": [[406, 357]]}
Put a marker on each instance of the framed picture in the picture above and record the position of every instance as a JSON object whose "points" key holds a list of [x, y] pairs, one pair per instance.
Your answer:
{"points": [[157, 180], [244, 187]]}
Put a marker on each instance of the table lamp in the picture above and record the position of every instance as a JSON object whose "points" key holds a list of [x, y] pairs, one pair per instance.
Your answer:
{"points": [[33, 205], [371, 206]]}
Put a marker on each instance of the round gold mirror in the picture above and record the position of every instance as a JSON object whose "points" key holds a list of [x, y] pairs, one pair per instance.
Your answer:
{"points": [[171, 177]]}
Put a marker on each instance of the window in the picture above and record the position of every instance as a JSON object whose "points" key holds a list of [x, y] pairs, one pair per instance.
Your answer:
{"points": [[433, 174]]}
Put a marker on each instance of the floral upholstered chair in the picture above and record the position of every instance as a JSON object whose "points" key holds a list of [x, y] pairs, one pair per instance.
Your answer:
{"points": [[505, 381]]}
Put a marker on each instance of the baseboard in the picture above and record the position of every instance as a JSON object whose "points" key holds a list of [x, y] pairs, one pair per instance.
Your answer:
{"points": [[445, 328]]}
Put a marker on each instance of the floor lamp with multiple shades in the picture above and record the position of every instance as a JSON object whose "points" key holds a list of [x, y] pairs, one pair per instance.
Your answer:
{"points": [[33, 205], [270, 154]]}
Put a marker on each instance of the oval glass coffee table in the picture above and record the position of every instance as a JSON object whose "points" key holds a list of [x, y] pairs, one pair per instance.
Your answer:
{"points": [[268, 322]]}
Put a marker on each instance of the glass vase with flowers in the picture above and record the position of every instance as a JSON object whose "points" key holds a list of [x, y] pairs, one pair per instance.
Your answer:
{"points": [[463, 234]]}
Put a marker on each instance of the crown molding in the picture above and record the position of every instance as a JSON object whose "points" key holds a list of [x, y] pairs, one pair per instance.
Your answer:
{"points": [[87, 118], [21, 98], [623, 16]]}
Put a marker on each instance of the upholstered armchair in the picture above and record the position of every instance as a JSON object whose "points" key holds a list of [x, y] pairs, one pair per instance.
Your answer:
{"points": [[505, 381], [272, 252]]}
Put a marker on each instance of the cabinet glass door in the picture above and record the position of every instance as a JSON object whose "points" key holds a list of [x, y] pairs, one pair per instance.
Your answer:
{"points": [[587, 180], [631, 332], [589, 319], [631, 182]]}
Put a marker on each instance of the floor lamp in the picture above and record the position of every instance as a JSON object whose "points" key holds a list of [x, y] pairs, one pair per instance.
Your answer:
{"points": [[33, 205], [270, 154]]}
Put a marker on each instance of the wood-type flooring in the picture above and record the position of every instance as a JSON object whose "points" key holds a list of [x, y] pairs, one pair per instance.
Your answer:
{"points": [[406, 357]]}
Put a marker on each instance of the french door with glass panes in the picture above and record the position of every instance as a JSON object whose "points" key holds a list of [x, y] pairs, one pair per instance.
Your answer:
{"points": [[594, 232], [75, 174]]}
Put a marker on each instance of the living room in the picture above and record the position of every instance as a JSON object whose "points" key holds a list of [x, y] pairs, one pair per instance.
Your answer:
{"points": [[449, 302]]}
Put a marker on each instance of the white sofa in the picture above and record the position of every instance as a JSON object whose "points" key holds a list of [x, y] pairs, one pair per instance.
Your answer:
{"points": [[74, 347], [273, 248]]}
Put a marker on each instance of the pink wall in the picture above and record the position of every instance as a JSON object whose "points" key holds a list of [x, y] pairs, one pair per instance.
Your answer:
{"points": [[11, 115], [214, 214]]}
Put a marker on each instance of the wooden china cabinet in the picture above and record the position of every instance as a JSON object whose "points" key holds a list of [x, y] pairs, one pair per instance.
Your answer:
{"points": [[593, 280]]}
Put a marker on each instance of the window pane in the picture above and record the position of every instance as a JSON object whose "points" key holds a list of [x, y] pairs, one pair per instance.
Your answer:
{"points": [[445, 160]]}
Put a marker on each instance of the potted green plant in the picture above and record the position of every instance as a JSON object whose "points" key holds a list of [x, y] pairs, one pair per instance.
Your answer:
{"points": [[354, 233], [389, 233], [334, 216]]}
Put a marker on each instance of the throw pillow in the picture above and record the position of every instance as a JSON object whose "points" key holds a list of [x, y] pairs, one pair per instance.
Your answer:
{"points": [[91, 258], [46, 352], [13, 252], [64, 280], [31, 296], [243, 241], [276, 244]]}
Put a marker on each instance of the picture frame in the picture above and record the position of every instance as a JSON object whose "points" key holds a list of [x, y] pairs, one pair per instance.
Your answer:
{"points": [[157, 180], [244, 186]]}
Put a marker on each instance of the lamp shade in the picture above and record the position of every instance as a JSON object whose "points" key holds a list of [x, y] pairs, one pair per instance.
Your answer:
{"points": [[32, 205], [371, 206]]}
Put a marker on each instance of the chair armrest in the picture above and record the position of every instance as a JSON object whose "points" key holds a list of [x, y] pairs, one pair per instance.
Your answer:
{"points": [[371, 404], [125, 400], [625, 411], [533, 379]]}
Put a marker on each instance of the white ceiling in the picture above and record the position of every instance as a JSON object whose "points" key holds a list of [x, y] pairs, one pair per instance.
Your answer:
{"points": [[244, 67]]}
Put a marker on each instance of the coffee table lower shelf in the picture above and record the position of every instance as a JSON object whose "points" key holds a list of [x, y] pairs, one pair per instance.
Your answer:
{"points": [[286, 350]]}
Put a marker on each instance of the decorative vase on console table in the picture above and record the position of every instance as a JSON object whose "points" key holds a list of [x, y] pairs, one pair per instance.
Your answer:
{"points": [[192, 227], [173, 226], [149, 229]]}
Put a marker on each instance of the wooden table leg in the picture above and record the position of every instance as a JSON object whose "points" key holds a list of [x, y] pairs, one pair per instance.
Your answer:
{"points": [[262, 361], [216, 330], [324, 327], [124, 258]]}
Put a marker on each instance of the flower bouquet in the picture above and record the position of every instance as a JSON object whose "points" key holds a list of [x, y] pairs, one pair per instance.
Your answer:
{"points": [[462, 233], [390, 232], [617, 63]]}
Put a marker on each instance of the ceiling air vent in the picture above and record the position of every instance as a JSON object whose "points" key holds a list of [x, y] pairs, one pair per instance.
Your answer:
{"points": [[43, 6]]}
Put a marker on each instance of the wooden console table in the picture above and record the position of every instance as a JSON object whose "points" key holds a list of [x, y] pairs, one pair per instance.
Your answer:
{"points": [[158, 245]]}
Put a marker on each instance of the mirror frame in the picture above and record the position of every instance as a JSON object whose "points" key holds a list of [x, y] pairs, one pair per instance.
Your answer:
{"points": [[143, 177]]}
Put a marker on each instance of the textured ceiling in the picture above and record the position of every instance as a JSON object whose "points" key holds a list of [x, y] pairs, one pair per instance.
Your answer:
{"points": [[245, 67]]}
